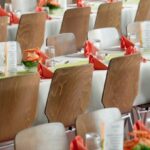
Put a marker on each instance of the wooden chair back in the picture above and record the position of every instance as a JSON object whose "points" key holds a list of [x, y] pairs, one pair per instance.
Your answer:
{"points": [[18, 104], [69, 94], [31, 30], [76, 21], [92, 121], [8, 1], [3, 29], [135, 29], [121, 85], [71, 1], [109, 15], [64, 43], [143, 11]]}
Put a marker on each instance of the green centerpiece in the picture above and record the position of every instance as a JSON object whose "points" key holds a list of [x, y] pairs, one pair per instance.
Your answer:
{"points": [[31, 60], [51, 4], [30, 66]]}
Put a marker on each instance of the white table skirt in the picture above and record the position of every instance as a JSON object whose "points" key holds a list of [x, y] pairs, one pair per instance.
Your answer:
{"points": [[53, 26], [97, 90]]}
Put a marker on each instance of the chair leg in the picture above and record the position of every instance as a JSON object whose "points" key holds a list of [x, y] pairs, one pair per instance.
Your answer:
{"points": [[128, 125], [7, 145], [136, 114], [129, 120], [144, 112]]}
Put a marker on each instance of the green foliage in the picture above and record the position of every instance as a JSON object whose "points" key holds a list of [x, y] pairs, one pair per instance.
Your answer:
{"points": [[141, 147], [50, 6], [30, 63]]}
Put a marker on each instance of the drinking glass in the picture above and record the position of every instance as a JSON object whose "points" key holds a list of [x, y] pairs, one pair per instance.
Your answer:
{"points": [[50, 52], [8, 7], [97, 44], [147, 123], [99, 53], [46, 10], [93, 141], [132, 37]]}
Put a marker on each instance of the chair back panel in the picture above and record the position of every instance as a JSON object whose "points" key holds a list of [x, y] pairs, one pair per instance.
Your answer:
{"points": [[31, 30], [143, 11], [109, 15], [50, 136], [76, 21], [3, 29], [108, 37], [71, 1], [121, 84], [18, 104], [91, 122], [64, 43], [69, 94]]}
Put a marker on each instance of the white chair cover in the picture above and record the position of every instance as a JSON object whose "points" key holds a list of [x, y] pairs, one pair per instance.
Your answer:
{"points": [[109, 37], [49, 136], [24, 5]]}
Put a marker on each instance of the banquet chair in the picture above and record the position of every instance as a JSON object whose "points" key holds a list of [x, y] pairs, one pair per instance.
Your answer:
{"points": [[31, 30], [8, 1], [121, 85], [71, 1], [108, 37], [109, 15], [64, 43], [50, 136], [69, 94], [76, 21], [3, 28], [134, 28], [143, 11], [18, 105], [90, 122]]}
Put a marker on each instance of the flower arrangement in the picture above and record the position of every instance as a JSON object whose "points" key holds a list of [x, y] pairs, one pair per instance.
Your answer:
{"points": [[32, 57], [140, 138], [51, 4]]}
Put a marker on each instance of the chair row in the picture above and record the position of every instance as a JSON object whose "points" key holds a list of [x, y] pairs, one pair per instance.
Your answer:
{"points": [[53, 135], [31, 31], [69, 94]]}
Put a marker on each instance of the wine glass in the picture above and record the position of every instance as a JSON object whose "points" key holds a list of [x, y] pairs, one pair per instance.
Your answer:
{"points": [[50, 52], [93, 141], [8, 7]]}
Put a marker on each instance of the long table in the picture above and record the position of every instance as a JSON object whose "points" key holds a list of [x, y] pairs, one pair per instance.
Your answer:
{"points": [[98, 82]]}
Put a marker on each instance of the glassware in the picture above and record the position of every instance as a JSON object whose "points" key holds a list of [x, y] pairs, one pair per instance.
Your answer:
{"points": [[133, 38], [97, 43], [93, 141], [50, 52], [8, 7], [147, 123], [99, 53], [45, 9]]}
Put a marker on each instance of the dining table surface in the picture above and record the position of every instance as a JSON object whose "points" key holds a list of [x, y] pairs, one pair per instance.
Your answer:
{"points": [[98, 81]]}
